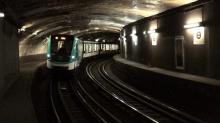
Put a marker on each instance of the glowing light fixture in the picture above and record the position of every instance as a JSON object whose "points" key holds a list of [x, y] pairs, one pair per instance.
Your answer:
{"points": [[97, 40], [23, 29], [63, 38], [35, 33], [134, 31], [56, 38], [2, 15], [144, 32], [96, 28], [154, 36], [135, 40], [151, 31], [48, 55], [192, 25], [73, 57]]}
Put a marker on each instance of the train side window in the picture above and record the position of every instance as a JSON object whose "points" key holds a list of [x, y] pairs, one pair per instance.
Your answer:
{"points": [[93, 47], [106, 46], [90, 48], [87, 49], [84, 48], [103, 48], [96, 47]]}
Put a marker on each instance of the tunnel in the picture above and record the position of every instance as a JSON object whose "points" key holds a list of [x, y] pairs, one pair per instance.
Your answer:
{"points": [[111, 61]]}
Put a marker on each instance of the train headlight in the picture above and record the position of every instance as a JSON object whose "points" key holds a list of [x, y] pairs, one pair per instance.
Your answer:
{"points": [[73, 57], [48, 55]]}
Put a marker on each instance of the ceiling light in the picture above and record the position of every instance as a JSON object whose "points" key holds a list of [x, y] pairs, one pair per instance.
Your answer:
{"points": [[2, 15], [35, 33]]}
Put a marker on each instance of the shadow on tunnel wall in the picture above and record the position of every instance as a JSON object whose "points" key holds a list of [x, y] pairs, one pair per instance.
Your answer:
{"points": [[32, 58]]}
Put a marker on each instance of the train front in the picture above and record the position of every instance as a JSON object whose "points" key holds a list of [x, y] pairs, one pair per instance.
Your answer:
{"points": [[60, 52]]}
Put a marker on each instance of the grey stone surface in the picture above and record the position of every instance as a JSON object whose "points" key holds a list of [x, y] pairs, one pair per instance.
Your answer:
{"points": [[16, 104], [9, 59]]}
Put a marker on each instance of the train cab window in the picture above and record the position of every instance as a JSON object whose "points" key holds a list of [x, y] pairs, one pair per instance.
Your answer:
{"points": [[61, 47]]}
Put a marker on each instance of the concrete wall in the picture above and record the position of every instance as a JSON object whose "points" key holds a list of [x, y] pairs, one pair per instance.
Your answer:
{"points": [[215, 37], [29, 48], [9, 55], [199, 59]]}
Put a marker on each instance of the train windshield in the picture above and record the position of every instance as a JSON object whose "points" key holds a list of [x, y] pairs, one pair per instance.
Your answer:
{"points": [[62, 45]]}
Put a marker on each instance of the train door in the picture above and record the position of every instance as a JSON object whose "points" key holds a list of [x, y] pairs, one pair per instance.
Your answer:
{"points": [[179, 52]]}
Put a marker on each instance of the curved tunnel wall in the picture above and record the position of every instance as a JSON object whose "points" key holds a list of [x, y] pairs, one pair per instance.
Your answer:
{"points": [[153, 41], [30, 49], [9, 55]]}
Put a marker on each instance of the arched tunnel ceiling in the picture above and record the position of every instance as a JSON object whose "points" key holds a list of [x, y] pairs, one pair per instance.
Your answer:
{"points": [[43, 17]]}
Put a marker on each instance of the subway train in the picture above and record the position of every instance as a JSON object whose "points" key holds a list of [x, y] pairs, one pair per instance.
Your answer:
{"points": [[67, 51]]}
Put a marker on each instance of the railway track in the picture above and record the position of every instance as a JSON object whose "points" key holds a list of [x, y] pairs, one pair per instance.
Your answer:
{"points": [[113, 102], [165, 109], [65, 105], [96, 90]]}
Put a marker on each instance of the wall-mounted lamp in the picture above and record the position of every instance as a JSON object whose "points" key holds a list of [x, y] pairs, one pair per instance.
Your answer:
{"points": [[154, 36], [151, 31], [192, 25], [134, 31], [198, 32], [2, 15]]}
